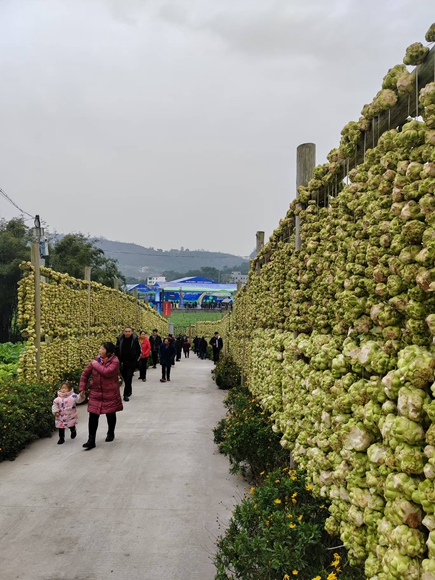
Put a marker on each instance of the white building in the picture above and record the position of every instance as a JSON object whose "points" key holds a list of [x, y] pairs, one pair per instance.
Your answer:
{"points": [[238, 277], [155, 280]]}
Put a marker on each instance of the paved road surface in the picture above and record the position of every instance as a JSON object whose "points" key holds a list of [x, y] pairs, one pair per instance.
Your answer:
{"points": [[144, 507]]}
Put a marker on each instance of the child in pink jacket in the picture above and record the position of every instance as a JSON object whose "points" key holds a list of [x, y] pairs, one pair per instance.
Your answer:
{"points": [[65, 411]]}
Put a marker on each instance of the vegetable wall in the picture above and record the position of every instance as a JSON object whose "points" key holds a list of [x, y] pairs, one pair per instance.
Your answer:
{"points": [[74, 322], [337, 339]]}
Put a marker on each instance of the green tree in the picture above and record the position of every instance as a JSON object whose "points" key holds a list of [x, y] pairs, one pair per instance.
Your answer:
{"points": [[14, 248], [74, 252]]}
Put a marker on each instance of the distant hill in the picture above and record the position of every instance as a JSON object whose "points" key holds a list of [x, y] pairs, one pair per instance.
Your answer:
{"points": [[139, 262]]}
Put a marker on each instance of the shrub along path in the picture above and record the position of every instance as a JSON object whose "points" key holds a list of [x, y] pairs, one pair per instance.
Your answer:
{"points": [[143, 507]]}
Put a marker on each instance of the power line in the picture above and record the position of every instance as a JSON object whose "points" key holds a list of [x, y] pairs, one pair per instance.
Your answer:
{"points": [[7, 198]]}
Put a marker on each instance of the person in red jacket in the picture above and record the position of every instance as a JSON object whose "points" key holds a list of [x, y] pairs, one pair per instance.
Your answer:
{"points": [[104, 395], [146, 349]]}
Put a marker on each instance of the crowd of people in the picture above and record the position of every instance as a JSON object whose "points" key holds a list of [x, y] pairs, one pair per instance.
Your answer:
{"points": [[130, 353]]}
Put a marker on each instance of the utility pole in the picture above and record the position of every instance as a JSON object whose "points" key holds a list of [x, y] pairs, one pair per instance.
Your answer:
{"points": [[36, 261]]}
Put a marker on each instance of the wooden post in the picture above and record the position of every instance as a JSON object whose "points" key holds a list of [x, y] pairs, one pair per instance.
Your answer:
{"points": [[259, 247], [116, 286], [35, 252], [136, 294], [88, 278], [239, 285], [190, 333], [242, 374], [305, 164]]}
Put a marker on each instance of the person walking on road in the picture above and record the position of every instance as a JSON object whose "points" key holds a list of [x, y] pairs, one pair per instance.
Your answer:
{"points": [[217, 344], [146, 348], [167, 353], [104, 395], [129, 352], [155, 341], [179, 346], [203, 348], [186, 347]]}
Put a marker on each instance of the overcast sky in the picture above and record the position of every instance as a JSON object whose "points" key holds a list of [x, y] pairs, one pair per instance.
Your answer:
{"points": [[175, 123]]}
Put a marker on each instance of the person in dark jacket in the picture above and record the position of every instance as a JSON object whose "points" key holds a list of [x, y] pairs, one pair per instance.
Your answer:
{"points": [[217, 344], [129, 351], [203, 348], [167, 353], [173, 340], [179, 346], [155, 341]]}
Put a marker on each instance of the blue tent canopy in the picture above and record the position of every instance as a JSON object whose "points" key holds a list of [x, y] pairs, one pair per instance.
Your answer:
{"points": [[191, 280], [195, 284], [138, 287]]}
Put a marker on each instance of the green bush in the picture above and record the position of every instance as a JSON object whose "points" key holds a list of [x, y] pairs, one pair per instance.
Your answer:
{"points": [[245, 435], [25, 415], [9, 357], [277, 533], [226, 373]]}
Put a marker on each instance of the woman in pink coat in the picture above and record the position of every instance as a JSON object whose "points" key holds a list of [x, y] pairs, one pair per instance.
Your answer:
{"points": [[104, 396]]}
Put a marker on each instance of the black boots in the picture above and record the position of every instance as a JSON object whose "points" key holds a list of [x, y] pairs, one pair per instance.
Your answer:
{"points": [[73, 432], [61, 440], [110, 437], [90, 443]]}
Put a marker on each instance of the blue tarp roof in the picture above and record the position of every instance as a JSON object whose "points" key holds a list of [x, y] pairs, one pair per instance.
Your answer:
{"points": [[195, 283], [138, 287], [191, 280]]}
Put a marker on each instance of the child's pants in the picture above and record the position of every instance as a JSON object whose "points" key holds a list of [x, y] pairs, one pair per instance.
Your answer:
{"points": [[62, 432]]}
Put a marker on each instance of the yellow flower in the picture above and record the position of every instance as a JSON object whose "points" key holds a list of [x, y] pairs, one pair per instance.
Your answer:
{"points": [[291, 526], [337, 556], [332, 576], [308, 487], [262, 473], [290, 516], [295, 494], [276, 480], [294, 500], [286, 577], [293, 478], [277, 501], [317, 578], [295, 572], [267, 523], [300, 517], [252, 490]]}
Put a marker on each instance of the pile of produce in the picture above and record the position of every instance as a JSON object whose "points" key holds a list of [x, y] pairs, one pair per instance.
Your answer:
{"points": [[72, 331], [337, 340]]}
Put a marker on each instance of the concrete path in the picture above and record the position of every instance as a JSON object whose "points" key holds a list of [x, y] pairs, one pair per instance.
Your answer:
{"points": [[144, 507]]}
